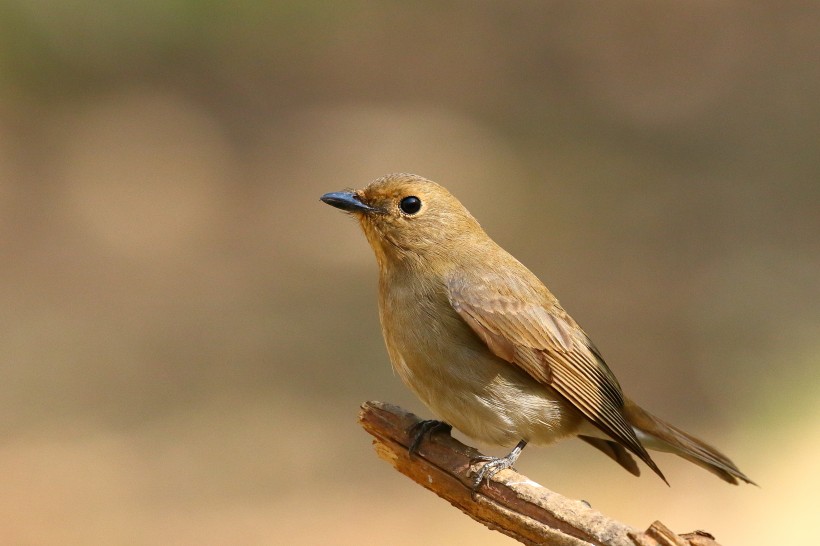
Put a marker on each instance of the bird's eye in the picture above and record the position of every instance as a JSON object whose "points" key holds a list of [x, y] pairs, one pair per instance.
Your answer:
{"points": [[410, 205]]}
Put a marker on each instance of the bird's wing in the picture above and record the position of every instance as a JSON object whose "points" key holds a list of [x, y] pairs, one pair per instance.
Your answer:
{"points": [[545, 343]]}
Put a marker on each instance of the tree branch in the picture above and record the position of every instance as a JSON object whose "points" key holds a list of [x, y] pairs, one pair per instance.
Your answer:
{"points": [[511, 503]]}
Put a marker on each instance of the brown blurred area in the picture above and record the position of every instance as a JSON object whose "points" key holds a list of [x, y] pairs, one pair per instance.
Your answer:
{"points": [[186, 332]]}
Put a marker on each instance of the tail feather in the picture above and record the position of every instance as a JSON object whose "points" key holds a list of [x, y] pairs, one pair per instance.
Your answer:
{"points": [[657, 434], [615, 451]]}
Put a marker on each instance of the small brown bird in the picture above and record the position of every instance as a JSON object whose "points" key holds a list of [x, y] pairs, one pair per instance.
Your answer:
{"points": [[483, 343]]}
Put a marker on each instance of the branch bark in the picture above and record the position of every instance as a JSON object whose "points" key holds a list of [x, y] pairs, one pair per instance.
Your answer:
{"points": [[511, 503]]}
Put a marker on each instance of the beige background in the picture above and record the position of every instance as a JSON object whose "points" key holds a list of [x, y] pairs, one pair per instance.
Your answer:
{"points": [[186, 332]]}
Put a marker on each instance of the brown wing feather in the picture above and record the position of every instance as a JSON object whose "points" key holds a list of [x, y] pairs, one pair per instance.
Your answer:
{"points": [[546, 344]]}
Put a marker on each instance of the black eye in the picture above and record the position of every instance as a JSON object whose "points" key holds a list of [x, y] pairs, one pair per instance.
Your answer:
{"points": [[410, 205]]}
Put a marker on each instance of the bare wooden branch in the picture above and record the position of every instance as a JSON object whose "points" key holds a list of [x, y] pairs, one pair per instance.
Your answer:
{"points": [[510, 503]]}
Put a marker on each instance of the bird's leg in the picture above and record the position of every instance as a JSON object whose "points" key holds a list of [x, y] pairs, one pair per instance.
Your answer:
{"points": [[425, 428], [494, 465]]}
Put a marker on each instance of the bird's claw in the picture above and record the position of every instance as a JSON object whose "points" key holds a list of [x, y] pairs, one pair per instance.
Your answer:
{"points": [[491, 467], [483, 459], [424, 428]]}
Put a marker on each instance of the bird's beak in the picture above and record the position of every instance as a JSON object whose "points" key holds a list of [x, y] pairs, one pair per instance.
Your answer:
{"points": [[348, 201]]}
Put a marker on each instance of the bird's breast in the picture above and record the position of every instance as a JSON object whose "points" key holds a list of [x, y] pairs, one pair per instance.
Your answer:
{"points": [[425, 337]]}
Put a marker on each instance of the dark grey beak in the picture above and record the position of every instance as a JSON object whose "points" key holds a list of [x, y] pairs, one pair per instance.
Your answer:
{"points": [[348, 201]]}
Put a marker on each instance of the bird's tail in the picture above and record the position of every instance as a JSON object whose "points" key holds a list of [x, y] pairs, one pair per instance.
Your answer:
{"points": [[659, 435]]}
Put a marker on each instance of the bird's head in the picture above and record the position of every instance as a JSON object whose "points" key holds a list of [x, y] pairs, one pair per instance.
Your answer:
{"points": [[405, 216]]}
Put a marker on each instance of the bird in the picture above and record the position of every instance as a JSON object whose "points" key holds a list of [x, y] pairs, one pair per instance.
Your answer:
{"points": [[487, 347]]}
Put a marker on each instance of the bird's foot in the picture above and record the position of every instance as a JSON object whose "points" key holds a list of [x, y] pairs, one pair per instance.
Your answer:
{"points": [[425, 428], [494, 465]]}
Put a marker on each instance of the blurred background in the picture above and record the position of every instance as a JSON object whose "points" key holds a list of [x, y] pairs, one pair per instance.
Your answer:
{"points": [[186, 332]]}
